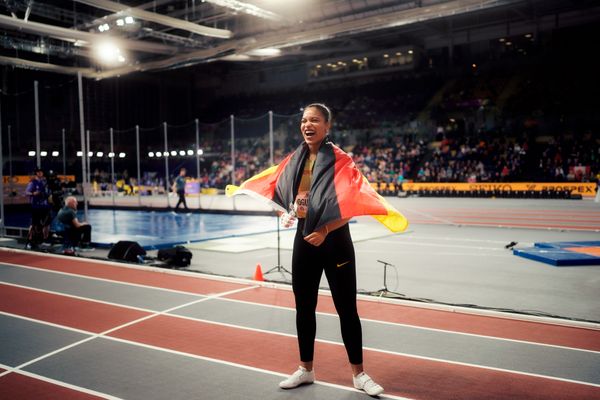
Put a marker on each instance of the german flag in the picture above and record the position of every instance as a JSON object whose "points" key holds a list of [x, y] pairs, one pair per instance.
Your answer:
{"points": [[338, 189]]}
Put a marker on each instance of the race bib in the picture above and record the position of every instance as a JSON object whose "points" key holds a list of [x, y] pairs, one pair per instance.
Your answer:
{"points": [[302, 204]]}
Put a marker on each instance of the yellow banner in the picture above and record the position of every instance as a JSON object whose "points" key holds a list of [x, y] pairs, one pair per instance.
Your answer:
{"points": [[585, 189], [24, 179]]}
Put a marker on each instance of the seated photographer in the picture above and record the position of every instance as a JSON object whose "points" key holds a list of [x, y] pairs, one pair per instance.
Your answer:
{"points": [[76, 233]]}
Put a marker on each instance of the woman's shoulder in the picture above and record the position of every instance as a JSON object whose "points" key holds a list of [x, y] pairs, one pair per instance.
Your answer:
{"points": [[339, 152]]}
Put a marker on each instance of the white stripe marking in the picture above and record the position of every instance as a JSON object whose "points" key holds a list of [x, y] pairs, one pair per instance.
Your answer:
{"points": [[63, 384], [103, 334]]}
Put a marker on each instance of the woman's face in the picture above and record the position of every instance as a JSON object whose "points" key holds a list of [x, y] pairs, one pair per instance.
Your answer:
{"points": [[313, 126]]}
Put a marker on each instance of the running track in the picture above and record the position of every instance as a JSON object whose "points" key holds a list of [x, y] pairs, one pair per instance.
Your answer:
{"points": [[75, 328]]}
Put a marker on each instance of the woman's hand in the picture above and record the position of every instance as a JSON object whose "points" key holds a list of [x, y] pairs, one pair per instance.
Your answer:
{"points": [[287, 220], [317, 237]]}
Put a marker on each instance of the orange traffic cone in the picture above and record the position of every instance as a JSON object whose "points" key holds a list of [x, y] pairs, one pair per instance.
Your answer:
{"points": [[258, 275]]}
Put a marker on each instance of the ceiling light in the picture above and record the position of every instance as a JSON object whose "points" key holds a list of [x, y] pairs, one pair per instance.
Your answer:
{"points": [[120, 22], [247, 8], [129, 20], [109, 53], [266, 52]]}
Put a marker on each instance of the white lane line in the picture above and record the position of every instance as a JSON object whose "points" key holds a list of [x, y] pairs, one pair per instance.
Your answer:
{"points": [[289, 309], [103, 334], [63, 384], [42, 322], [80, 297], [457, 239], [432, 217], [409, 326], [243, 366], [93, 278], [451, 246], [393, 353], [420, 253]]}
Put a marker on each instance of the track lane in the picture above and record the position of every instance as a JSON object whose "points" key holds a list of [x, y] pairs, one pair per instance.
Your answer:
{"points": [[452, 320]]}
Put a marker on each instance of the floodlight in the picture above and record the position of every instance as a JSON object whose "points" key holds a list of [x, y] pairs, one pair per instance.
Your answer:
{"points": [[43, 153], [31, 153], [182, 153], [200, 152], [266, 52], [90, 153], [121, 155], [173, 153], [150, 154], [109, 53], [55, 153], [79, 153], [190, 152], [129, 20], [120, 22], [111, 154]]}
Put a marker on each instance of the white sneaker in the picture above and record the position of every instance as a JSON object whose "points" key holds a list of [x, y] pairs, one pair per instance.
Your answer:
{"points": [[364, 382], [300, 377]]}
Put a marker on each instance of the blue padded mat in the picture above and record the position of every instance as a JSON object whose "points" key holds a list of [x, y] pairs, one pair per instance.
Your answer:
{"points": [[161, 229], [556, 253]]}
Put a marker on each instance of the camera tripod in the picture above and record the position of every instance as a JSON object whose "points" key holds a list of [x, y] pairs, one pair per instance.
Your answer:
{"points": [[278, 267], [384, 292]]}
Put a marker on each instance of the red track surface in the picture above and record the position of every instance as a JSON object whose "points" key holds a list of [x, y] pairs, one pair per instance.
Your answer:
{"points": [[516, 218], [16, 386], [401, 375]]}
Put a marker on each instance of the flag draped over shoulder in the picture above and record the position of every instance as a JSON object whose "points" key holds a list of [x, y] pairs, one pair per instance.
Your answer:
{"points": [[338, 189]]}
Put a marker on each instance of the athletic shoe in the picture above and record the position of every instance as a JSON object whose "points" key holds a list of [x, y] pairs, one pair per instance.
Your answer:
{"points": [[300, 377], [364, 382]]}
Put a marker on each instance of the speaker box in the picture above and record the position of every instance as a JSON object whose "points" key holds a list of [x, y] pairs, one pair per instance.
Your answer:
{"points": [[126, 250]]}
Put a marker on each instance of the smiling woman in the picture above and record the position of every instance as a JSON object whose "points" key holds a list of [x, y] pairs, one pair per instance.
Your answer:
{"points": [[322, 243]]}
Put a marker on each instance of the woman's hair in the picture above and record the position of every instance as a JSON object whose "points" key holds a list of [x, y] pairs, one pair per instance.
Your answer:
{"points": [[323, 109]]}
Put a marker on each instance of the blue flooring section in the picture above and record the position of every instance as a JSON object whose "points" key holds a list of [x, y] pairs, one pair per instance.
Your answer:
{"points": [[161, 229], [556, 253]]}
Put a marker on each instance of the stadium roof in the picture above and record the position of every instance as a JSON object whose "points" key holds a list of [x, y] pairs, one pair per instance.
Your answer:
{"points": [[68, 36]]}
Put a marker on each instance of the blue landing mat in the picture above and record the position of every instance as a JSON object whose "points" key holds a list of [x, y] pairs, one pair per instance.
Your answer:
{"points": [[162, 229], [562, 254]]}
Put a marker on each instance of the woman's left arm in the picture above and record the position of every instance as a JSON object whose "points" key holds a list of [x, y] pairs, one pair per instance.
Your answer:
{"points": [[317, 237]]}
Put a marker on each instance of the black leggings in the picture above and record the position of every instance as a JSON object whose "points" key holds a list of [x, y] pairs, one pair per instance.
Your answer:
{"points": [[336, 257]]}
